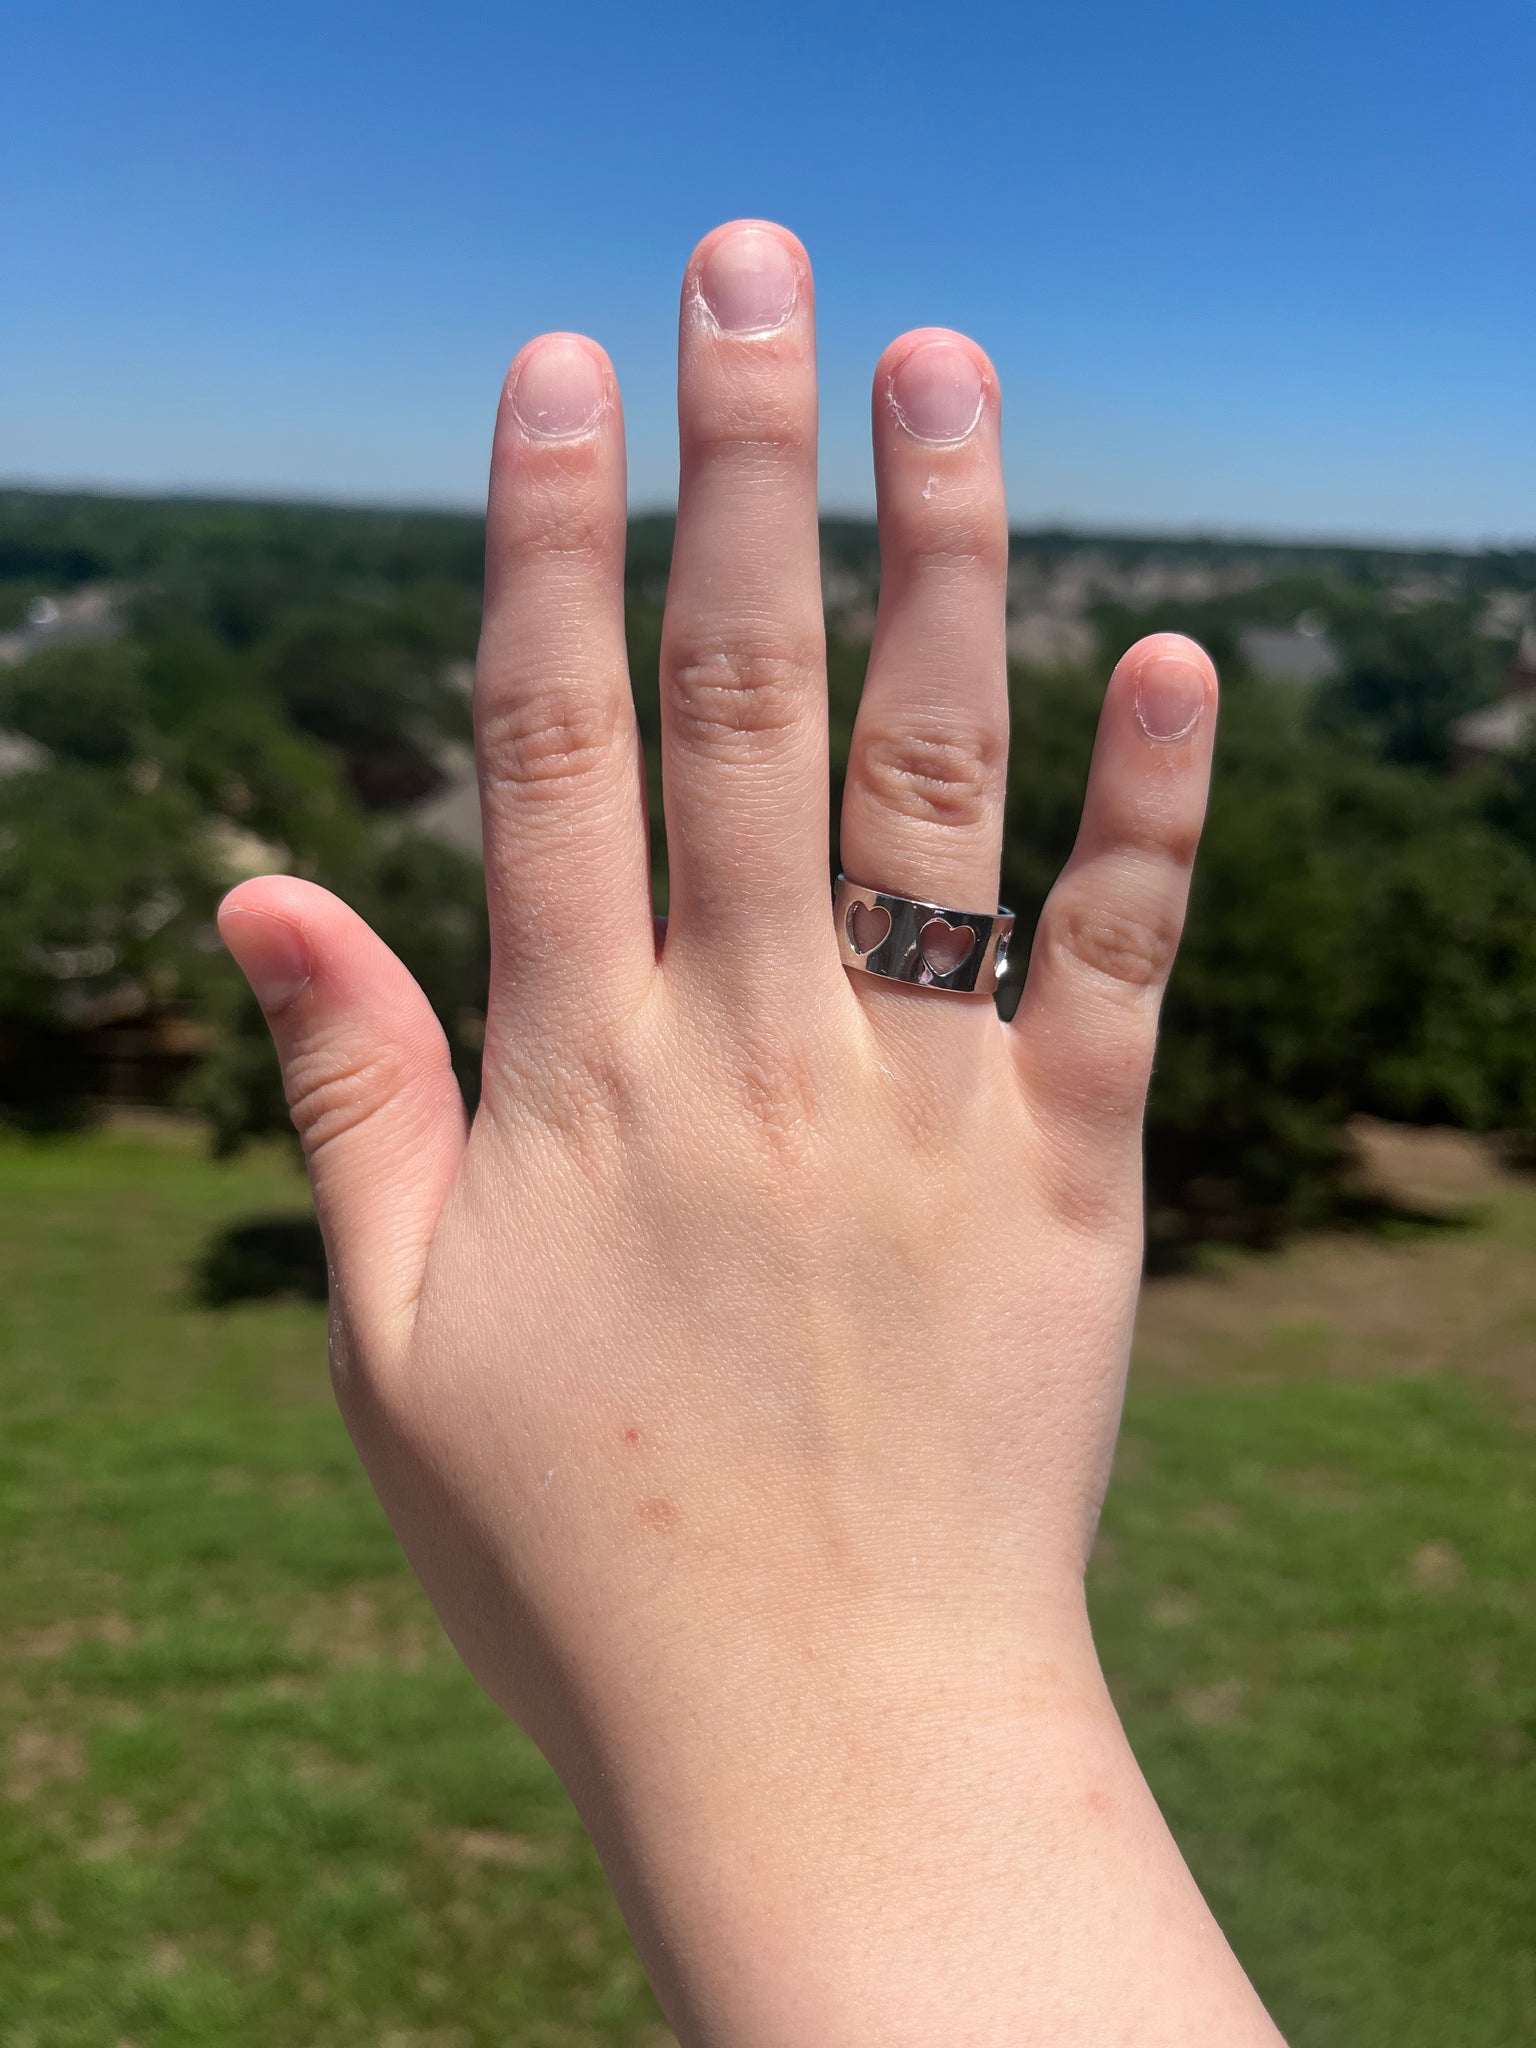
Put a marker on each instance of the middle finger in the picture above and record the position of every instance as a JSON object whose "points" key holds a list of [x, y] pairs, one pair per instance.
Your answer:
{"points": [[743, 659]]}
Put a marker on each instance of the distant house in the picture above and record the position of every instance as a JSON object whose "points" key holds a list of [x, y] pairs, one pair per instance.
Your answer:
{"points": [[451, 813], [1507, 727], [1520, 670], [91, 613], [1298, 653], [20, 755]]}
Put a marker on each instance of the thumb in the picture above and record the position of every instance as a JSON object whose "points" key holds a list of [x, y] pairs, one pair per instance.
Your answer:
{"points": [[369, 1085]]}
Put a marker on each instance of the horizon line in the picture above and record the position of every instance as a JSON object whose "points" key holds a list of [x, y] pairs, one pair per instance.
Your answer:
{"points": [[233, 494]]}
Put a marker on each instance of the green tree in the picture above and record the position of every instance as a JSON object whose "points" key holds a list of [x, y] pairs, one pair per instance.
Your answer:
{"points": [[106, 896], [1359, 939], [1406, 676]]}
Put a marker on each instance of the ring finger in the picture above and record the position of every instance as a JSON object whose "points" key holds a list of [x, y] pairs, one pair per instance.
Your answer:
{"points": [[923, 801]]}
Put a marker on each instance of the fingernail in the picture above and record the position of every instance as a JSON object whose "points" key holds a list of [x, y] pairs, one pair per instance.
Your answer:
{"points": [[559, 390], [269, 953], [937, 392], [1170, 696], [749, 282]]}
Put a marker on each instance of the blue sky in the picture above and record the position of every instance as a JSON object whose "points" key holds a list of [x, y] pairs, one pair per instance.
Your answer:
{"points": [[1242, 264]]}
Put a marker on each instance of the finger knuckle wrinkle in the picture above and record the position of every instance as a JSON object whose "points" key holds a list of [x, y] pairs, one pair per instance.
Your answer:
{"points": [[758, 439], [1175, 840], [1132, 952], [334, 1090], [1158, 834], [958, 541], [933, 778], [590, 1090], [558, 734], [728, 702], [596, 1095], [568, 526], [785, 1110]]}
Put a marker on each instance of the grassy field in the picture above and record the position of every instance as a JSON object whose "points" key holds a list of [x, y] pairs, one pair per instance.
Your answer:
{"points": [[249, 1798]]}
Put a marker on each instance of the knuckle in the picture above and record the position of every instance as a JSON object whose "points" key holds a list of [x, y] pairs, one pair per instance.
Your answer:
{"points": [[958, 539], [1156, 832], [730, 703], [558, 733], [935, 778], [781, 1093], [1175, 839], [765, 435], [568, 525], [334, 1088], [591, 1093], [1130, 951]]}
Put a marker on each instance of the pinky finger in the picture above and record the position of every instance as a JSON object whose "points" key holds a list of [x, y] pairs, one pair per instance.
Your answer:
{"points": [[1086, 1027], [369, 1084]]}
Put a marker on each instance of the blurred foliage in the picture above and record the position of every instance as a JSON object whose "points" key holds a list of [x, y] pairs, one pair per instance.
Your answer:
{"points": [[1406, 676], [1404, 671], [289, 681], [103, 890], [1360, 938], [283, 684]]}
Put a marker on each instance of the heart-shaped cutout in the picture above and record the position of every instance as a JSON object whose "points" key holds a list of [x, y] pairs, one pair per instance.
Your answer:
{"points": [[868, 925], [945, 946]]}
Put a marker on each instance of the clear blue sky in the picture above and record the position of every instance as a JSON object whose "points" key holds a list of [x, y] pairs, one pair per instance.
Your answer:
{"points": [[1247, 264]]}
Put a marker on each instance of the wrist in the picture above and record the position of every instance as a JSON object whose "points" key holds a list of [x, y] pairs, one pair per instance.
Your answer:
{"points": [[918, 1848], [791, 1847]]}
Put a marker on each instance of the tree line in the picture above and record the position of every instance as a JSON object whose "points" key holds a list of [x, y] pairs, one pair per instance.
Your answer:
{"points": [[287, 683]]}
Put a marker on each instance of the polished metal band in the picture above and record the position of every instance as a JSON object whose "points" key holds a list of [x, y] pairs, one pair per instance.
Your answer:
{"points": [[962, 952]]}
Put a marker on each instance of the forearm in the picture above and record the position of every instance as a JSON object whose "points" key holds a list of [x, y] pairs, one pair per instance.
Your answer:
{"points": [[927, 1856]]}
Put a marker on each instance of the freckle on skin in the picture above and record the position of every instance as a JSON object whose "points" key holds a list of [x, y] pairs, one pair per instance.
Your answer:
{"points": [[656, 1514], [631, 1436]]}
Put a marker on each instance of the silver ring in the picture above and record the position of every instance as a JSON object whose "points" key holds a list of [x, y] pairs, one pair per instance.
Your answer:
{"points": [[929, 945]]}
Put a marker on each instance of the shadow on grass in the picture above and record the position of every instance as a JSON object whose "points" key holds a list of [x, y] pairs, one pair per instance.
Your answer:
{"points": [[1390, 1216], [1367, 1214], [262, 1258]]}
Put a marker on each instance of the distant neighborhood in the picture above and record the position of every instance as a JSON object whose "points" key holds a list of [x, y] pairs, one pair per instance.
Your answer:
{"points": [[192, 691], [1061, 586]]}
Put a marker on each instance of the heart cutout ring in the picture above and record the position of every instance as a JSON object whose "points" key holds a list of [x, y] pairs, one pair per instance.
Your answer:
{"points": [[927, 945], [867, 925], [944, 946]]}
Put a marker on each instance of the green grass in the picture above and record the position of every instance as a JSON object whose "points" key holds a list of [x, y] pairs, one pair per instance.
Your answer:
{"points": [[1315, 1602], [248, 1797]]}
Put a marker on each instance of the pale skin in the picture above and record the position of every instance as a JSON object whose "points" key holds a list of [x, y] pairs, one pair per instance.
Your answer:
{"points": [[743, 1382]]}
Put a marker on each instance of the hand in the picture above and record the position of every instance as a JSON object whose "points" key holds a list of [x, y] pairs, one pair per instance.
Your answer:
{"points": [[743, 1385]]}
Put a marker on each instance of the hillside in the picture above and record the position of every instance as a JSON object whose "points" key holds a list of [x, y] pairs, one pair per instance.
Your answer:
{"points": [[55, 541], [195, 690]]}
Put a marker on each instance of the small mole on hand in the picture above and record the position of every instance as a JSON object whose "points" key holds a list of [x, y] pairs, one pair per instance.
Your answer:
{"points": [[631, 1436], [656, 1514]]}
